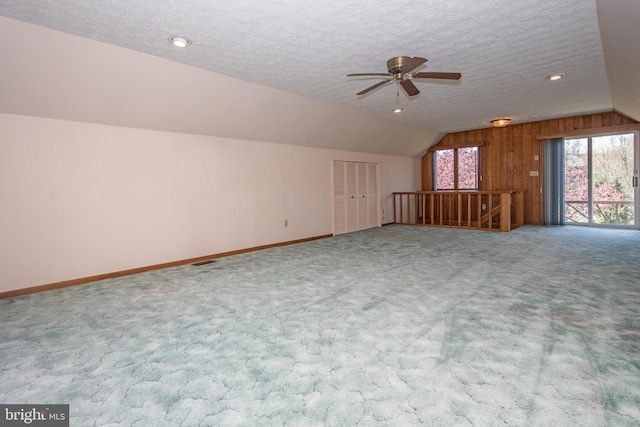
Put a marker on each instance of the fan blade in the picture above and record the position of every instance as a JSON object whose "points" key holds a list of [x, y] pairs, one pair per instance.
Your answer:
{"points": [[375, 86], [413, 63], [369, 74], [409, 87], [426, 75]]}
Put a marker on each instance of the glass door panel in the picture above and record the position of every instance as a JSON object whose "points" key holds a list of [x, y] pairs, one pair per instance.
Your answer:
{"points": [[576, 181], [612, 179]]}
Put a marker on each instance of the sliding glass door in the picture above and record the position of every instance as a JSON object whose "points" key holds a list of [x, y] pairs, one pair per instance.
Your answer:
{"points": [[601, 180]]}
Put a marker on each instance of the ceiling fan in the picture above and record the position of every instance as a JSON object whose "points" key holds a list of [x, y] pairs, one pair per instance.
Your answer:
{"points": [[400, 69]]}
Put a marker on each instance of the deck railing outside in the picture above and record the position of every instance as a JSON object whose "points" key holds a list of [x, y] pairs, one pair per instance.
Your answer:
{"points": [[604, 212], [486, 210]]}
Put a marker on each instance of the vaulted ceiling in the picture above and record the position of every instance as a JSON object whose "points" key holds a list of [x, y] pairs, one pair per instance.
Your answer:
{"points": [[288, 55]]}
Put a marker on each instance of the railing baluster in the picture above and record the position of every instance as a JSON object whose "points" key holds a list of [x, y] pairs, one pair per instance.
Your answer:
{"points": [[505, 211], [490, 210], [479, 211], [432, 208], [395, 196]]}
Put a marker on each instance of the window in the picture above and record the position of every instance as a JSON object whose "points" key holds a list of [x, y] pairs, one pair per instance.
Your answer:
{"points": [[456, 169], [445, 169]]}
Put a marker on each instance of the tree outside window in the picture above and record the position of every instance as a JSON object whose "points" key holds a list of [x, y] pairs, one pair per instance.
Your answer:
{"points": [[456, 169], [445, 169]]}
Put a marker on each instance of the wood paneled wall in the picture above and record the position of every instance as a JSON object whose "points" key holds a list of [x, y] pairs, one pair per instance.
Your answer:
{"points": [[509, 155]]}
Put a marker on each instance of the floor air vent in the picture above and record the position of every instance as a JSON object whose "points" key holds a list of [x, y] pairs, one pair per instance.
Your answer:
{"points": [[198, 264]]}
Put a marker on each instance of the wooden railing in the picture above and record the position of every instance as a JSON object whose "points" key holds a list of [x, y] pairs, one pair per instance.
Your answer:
{"points": [[484, 210]]}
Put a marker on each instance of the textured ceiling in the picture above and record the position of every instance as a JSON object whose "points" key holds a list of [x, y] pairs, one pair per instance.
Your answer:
{"points": [[503, 48]]}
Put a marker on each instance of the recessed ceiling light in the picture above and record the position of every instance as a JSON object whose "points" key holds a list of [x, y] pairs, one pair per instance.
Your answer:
{"points": [[556, 76], [397, 110], [179, 41]]}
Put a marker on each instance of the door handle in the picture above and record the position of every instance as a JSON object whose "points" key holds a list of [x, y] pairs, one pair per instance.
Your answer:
{"points": [[635, 181]]}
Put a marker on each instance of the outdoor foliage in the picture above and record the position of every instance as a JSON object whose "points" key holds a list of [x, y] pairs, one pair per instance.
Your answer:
{"points": [[467, 169], [444, 170]]}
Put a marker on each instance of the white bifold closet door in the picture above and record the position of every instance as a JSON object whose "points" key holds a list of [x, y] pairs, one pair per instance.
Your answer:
{"points": [[355, 196]]}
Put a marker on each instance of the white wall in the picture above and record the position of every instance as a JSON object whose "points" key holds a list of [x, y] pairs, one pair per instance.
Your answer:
{"points": [[81, 199]]}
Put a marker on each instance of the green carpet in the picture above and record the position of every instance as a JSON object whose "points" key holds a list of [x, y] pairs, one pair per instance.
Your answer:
{"points": [[394, 326]]}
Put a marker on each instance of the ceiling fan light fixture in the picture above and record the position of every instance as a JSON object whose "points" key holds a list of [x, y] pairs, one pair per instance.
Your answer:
{"points": [[178, 41], [556, 76], [500, 123], [401, 69]]}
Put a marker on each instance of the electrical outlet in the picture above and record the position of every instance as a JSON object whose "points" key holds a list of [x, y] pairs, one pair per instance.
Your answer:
{"points": [[286, 222], [484, 206]]}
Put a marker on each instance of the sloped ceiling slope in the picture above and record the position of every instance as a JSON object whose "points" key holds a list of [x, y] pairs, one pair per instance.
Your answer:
{"points": [[620, 35], [51, 74]]}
